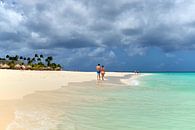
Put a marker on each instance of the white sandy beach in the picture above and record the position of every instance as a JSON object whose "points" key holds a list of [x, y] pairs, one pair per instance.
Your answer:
{"points": [[14, 84]]}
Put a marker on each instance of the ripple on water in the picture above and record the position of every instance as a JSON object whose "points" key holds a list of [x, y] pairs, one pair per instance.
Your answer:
{"points": [[88, 106]]}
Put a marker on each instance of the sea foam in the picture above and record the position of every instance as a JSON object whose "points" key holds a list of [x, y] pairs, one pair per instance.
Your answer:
{"points": [[31, 121], [130, 82], [133, 80]]}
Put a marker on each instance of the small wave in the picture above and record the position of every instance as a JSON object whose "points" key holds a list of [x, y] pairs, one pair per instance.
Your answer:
{"points": [[130, 82], [133, 80], [146, 74]]}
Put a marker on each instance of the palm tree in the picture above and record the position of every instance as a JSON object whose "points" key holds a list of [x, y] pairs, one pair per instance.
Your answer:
{"points": [[58, 65], [38, 59], [48, 60], [11, 58], [21, 57], [22, 61], [16, 58], [33, 59], [36, 55], [29, 60], [7, 56], [41, 64], [41, 56], [35, 62]]}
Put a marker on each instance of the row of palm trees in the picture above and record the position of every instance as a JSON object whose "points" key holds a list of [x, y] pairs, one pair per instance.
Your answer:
{"points": [[37, 62]]}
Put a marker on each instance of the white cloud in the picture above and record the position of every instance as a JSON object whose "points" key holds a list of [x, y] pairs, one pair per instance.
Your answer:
{"points": [[97, 52], [10, 19], [111, 54]]}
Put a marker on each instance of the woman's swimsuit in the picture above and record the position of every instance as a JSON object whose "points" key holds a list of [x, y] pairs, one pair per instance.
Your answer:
{"points": [[102, 71]]}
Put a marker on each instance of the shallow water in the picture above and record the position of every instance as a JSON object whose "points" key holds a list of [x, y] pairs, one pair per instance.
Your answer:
{"points": [[162, 101]]}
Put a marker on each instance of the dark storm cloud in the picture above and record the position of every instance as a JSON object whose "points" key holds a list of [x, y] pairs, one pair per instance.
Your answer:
{"points": [[75, 43], [132, 31], [61, 43], [7, 36], [132, 24]]}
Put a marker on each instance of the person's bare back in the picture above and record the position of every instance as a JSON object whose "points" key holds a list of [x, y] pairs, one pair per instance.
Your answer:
{"points": [[98, 69]]}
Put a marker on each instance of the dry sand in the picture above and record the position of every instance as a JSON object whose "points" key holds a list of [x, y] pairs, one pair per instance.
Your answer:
{"points": [[14, 84]]}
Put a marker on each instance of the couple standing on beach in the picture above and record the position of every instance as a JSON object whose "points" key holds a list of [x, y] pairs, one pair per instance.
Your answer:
{"points": [[100, 70]]}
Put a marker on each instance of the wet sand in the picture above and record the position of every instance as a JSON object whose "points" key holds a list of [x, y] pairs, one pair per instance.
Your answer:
{"points": [[18, 88]]}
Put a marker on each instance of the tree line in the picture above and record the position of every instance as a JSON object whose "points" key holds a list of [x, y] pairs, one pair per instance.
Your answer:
{"points": [[37, 62]]}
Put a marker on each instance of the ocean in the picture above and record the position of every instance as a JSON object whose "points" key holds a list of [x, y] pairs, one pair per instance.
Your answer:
{"points": [[151, 101]]}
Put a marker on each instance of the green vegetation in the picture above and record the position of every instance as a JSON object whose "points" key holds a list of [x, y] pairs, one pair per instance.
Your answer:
{"points": [[29, 63]]}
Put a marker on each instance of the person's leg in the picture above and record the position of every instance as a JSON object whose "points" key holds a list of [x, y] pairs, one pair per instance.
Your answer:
{"points": [[98, 75], [102, 76]]}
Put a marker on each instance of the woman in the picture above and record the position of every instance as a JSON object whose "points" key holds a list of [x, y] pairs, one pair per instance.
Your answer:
{"points": [[102, 72]]}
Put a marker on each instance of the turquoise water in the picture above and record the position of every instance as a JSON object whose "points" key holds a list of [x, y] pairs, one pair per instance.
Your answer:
{"points": [[161, 101]]}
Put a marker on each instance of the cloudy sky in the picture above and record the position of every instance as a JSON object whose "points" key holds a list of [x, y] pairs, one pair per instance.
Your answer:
{"points": [[121, 34]]}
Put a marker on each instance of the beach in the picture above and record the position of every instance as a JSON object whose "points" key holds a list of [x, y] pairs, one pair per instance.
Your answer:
{"points": [[15, 84], [97, 65], [49, 100]]}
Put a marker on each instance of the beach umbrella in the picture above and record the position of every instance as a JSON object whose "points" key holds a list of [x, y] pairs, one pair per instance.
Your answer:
{"points": [[23, 67], [28, 67], [17, 66], [5, 66]]}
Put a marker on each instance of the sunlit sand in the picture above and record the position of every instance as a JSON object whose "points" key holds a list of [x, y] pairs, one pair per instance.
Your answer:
{"points": [[16, 85]]}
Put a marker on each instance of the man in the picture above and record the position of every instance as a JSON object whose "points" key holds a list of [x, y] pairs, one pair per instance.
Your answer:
{"points": [[98, 69]]}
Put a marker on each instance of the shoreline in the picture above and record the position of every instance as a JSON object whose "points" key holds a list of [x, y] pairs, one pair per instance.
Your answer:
{"points": [[17, 83]]}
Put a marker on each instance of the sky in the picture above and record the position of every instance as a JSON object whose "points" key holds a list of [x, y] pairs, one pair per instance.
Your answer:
{"points": [[122, 35]]}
